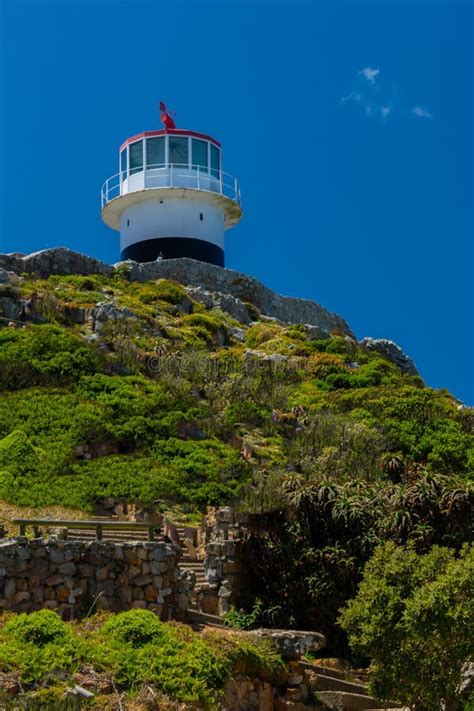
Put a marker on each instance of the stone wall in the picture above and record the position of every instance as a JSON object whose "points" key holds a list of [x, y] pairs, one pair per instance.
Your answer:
{"points": [[222, 546], [71, 576]]}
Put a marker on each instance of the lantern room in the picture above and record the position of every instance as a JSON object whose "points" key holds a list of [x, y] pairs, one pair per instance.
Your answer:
{"points": [[171, 197]]}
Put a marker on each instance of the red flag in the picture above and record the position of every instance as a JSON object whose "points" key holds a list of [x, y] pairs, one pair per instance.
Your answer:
{"points": [[165, 116]]}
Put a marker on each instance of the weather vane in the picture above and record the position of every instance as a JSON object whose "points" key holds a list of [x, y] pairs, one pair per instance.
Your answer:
{"points": [[166, 117]]}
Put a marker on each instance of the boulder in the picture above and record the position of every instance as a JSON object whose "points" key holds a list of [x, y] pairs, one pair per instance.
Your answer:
{"points": [[10, 278], [226, 302], [292, 644], [314, 333], [391, 351], [105, 311], [57, 260], [10, 308]]}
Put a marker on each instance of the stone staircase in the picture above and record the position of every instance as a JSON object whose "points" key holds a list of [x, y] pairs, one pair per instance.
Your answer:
{"points": [[81, 534], [338, 692]]}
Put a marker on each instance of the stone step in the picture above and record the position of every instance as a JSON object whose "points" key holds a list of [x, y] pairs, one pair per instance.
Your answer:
{"points": [[348, 701], [326, 671], [320, 682], [203, 618], [191, 565]]}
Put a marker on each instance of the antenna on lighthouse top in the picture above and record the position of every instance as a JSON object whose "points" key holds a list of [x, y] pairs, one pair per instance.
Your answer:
{"points": [[166, 117]]}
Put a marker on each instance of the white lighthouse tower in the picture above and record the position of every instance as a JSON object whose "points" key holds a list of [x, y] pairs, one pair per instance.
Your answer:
{"points": [[171, 198]]}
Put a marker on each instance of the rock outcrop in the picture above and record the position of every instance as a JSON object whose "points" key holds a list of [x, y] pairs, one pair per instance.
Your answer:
{"points": [[292, 644], [245, 288], [208, 277], [391, 351], [57, 260], [232, 305], [241, 296]]}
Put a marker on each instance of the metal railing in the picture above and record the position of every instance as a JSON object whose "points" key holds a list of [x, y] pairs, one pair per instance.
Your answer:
{"points": [[172, 175]]}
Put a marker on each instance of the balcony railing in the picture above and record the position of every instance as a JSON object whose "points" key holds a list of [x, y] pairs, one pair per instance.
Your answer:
{"points": [[170, 176]]}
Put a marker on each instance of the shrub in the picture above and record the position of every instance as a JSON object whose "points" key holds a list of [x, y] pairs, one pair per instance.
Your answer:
{"points": [[321, 365], [38, 628], [241, 620], [170, 291], [43, 355], [209, 322], [261, 332], [414, 617], [17, 454], [135, 627]]}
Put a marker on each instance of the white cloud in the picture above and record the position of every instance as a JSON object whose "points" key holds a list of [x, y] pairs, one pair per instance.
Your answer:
{"points": [[353, 96], [369, 74], [421, 112], [376, 99]]}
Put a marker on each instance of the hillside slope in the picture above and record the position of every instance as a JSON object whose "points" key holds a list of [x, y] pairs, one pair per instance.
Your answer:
{"points": [[176, 396]]}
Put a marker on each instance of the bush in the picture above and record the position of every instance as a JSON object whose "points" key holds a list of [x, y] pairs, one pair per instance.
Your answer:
{"points": [[38, 644], [43, 355], [17, 454], [135, 648], [135, 627], [414, 617], [208, 322], [170, 291], [38, 628], [261, 332]]}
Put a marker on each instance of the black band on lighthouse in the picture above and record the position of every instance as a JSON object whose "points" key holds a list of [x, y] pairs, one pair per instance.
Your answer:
{"points": [[174, 247]]}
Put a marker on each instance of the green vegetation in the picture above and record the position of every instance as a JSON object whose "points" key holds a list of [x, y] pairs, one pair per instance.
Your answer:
{"points": [[241, 620], [414, 617], [163, 406], [135, 648]]}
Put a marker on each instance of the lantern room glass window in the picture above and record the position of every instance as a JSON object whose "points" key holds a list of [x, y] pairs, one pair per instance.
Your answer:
{"points": [[155, 152], [136, 157], [123, 164], [178, 151], [199, 154], [215, 162]]}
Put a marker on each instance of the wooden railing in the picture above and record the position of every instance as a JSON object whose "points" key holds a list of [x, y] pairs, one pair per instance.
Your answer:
{"points": [[99, 526]]}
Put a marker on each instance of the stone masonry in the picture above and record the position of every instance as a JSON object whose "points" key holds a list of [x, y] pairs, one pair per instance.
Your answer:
{"points": [[73, 576], [223, 544]]}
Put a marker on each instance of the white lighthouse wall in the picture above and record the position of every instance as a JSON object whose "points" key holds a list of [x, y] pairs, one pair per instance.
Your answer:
{"points": [[172, 217]]}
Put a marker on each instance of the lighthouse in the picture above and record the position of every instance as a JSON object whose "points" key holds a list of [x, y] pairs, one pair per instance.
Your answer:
{"points": [[171, 197]]}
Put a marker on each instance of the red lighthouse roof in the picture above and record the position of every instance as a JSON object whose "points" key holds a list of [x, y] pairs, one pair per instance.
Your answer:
{"points": [[172, 132]]}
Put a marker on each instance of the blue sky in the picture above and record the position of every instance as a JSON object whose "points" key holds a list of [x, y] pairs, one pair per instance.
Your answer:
{"points": [[348, 125]]}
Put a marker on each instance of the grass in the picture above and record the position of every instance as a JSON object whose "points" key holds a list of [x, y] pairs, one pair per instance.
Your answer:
{"points": [[8, 512]]}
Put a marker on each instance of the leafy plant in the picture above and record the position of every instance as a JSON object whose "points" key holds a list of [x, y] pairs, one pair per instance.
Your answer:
{"points": [[38, 628], [414, 617], [241, 620], [135, 627]]}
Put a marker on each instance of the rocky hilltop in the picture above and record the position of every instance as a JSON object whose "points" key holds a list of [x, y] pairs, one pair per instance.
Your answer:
{"points": [[214, 286]]}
